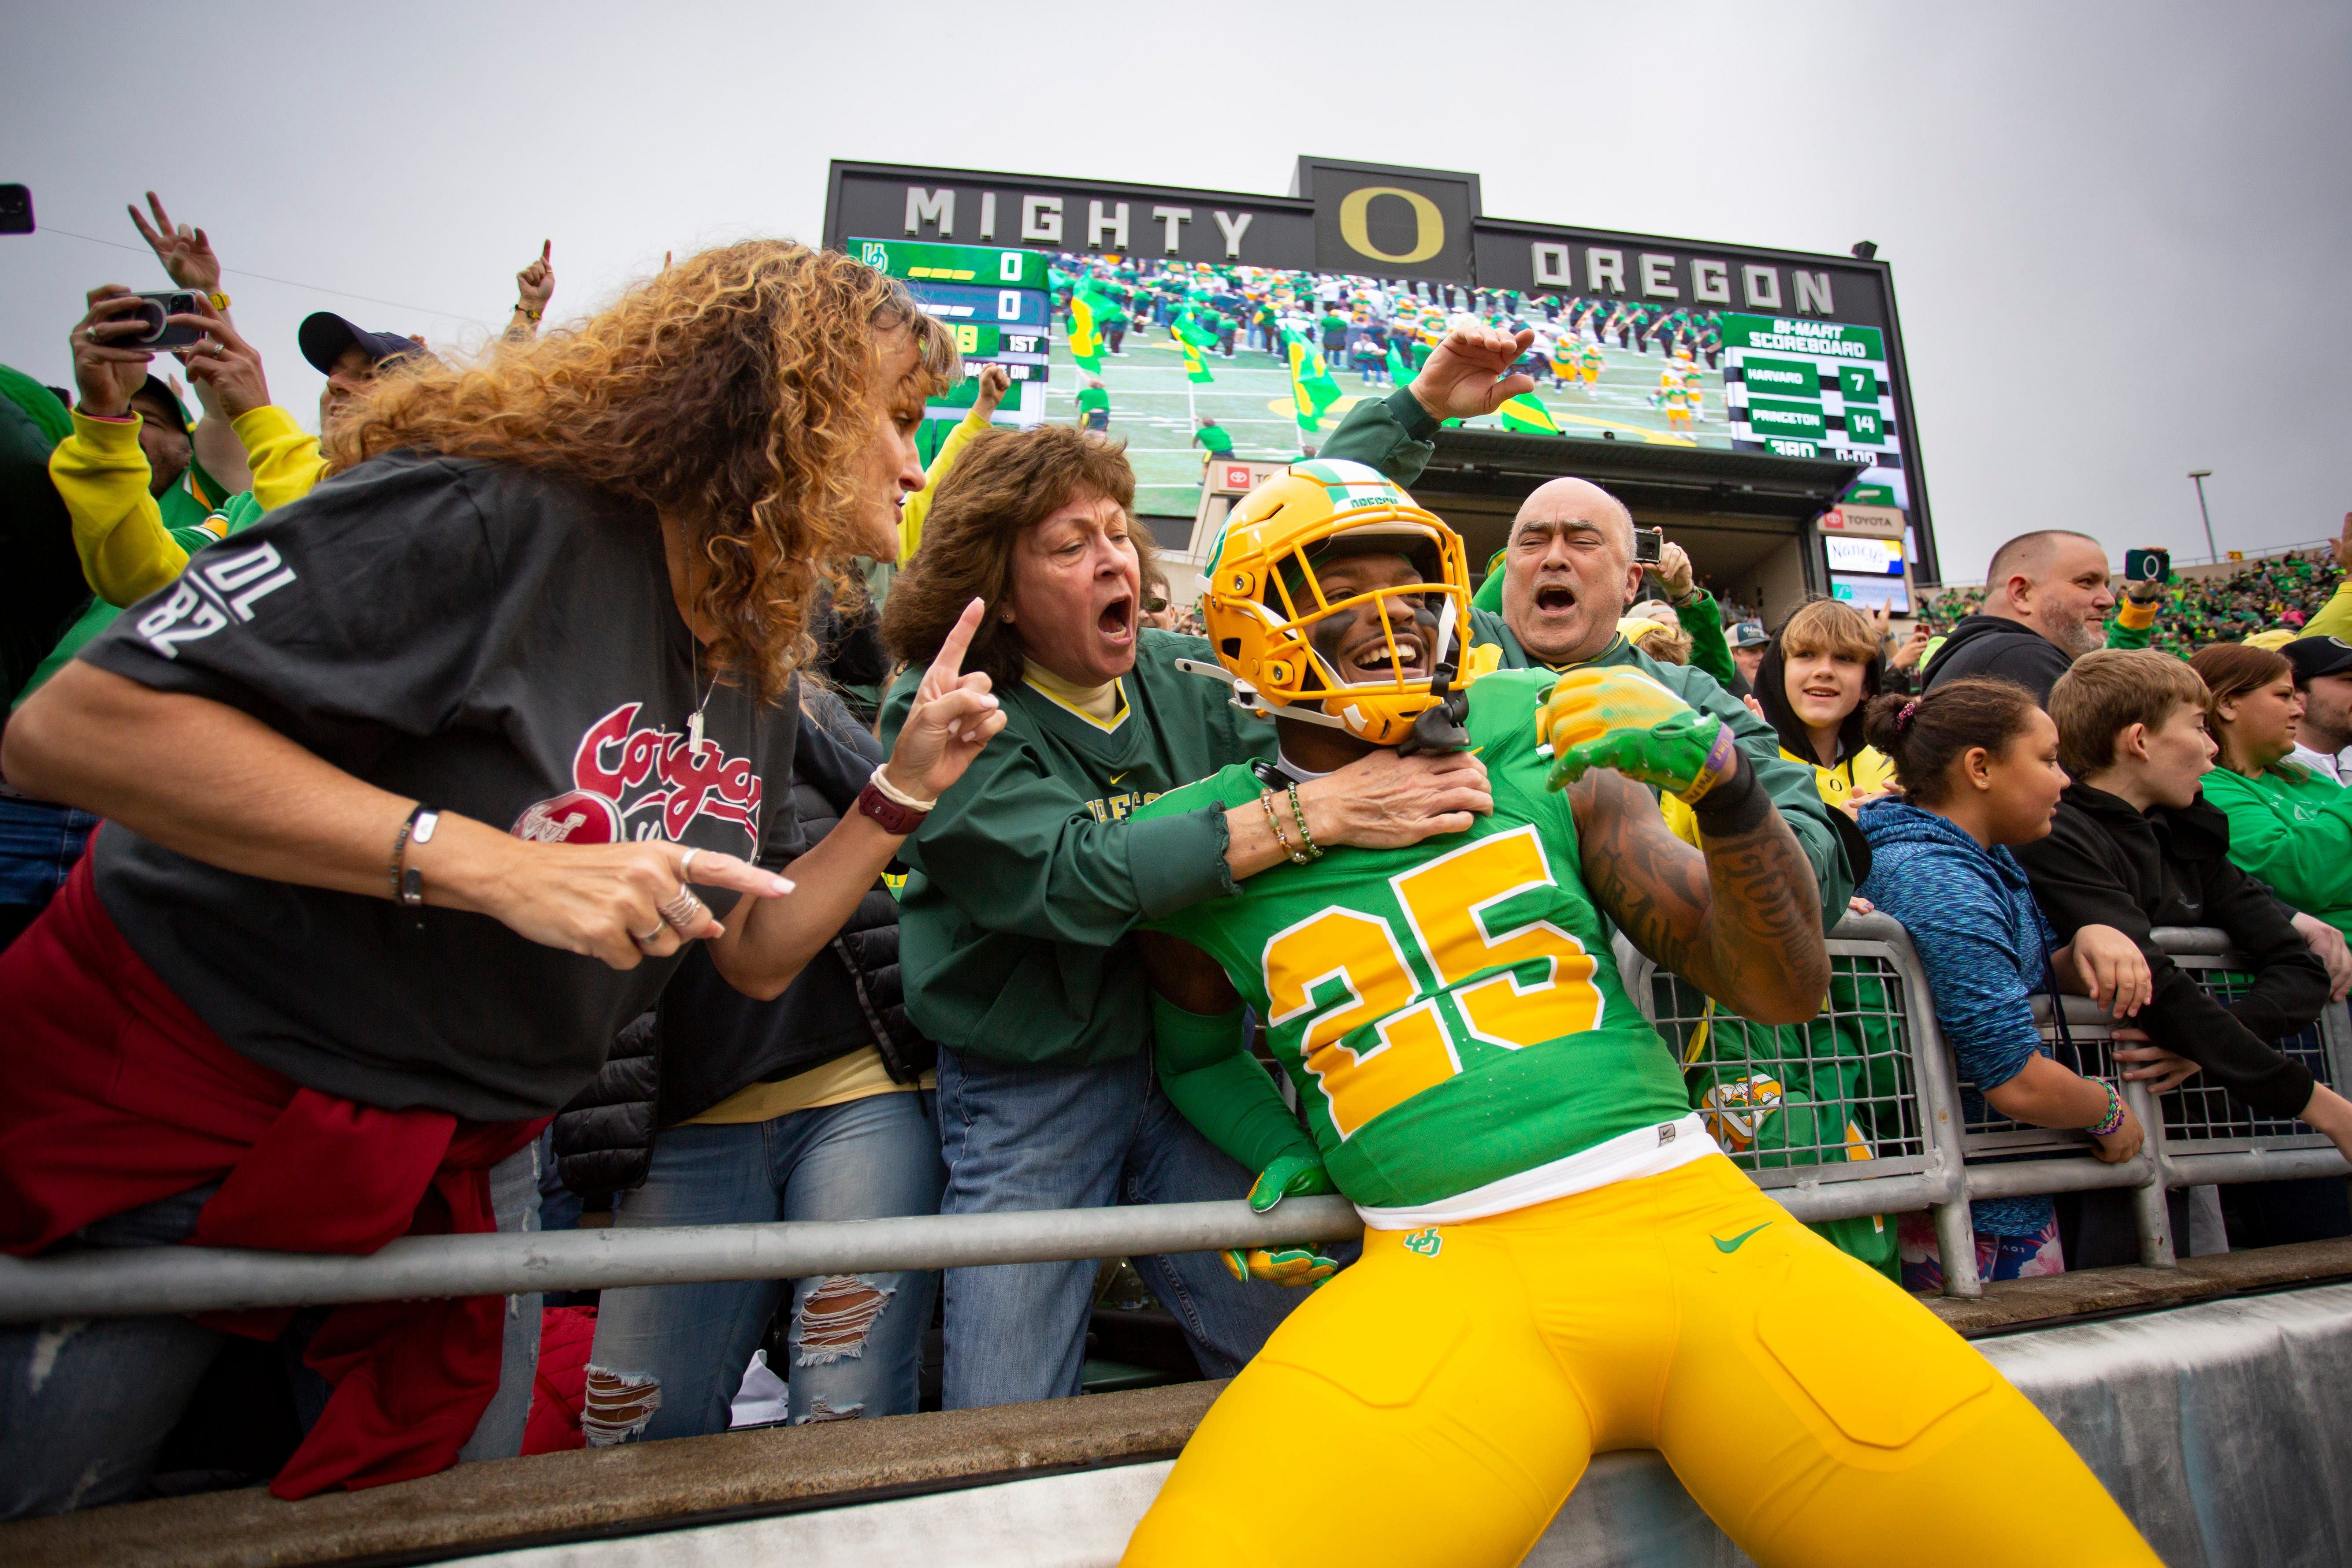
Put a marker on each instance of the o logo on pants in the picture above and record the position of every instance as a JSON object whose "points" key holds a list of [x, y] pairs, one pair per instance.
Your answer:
{"points": [[1429, 224]]}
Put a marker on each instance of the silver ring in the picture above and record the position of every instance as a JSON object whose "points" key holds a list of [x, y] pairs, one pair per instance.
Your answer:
{"points": [[686, 865], [684, 911], [649, 936], [90, 333]]}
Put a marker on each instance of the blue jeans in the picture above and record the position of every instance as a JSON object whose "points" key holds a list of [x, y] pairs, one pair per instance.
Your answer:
{"points": [[86, 1402], [1051, 1138], [39, 843], [669, 1358]]}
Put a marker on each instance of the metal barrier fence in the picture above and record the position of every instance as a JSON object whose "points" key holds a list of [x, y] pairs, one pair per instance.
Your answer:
{"points": [[1857, 1112]]}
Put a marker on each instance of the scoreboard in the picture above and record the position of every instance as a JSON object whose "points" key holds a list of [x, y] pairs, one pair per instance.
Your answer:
{"points": [[1801, 387], [998, 305]]}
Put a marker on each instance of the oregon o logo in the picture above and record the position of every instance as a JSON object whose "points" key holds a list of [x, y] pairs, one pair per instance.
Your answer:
{"points": [[1429, 225]]}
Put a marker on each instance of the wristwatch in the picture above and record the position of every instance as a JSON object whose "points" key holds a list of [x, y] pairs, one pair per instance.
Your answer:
{"points": [[887, 813]]}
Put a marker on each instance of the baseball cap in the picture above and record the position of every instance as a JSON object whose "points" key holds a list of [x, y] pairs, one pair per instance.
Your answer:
{"points": [[324, 336], [2318, 656], [161, 391], [1749, 634]]}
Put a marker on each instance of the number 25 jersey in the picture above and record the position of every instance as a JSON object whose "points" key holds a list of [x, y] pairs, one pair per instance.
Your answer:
{"points": [[1450, 1012]]}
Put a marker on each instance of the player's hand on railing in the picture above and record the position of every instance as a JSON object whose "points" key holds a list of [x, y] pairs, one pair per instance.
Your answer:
{"points": [[1290, 1175], [2144, 1061], [952, 717], [1470, 373], [2110, 969], [1385, 801], [1616, 717], [2328, 945]]}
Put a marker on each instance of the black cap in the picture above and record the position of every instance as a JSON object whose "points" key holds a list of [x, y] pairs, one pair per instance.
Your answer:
{"points": [[160, 391], [324, 336], [2317, 655]]}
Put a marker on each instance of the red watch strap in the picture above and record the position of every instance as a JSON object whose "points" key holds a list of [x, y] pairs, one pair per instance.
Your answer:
{"points": [[889, 814]]}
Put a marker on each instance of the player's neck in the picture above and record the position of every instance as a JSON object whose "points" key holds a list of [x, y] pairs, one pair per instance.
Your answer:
{"points": [[1314, 749]]}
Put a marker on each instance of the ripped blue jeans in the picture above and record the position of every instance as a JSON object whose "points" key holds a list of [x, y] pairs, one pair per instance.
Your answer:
{"points": [[668, 1358]]}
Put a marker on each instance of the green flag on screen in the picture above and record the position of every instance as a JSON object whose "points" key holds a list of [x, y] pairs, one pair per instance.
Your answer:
{"points": [[1085, 341], [1524, 412], [1193, 336], [1312, 390]]}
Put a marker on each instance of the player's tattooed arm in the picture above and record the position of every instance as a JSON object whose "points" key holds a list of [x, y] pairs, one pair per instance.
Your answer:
{"points": [[1741, 920]]}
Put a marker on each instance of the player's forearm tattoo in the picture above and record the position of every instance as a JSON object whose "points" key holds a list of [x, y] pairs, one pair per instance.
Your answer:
{"points": [[1741, 920]]}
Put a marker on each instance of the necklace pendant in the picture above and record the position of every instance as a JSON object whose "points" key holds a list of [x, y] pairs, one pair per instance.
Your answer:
{"points": [[694, 735]]}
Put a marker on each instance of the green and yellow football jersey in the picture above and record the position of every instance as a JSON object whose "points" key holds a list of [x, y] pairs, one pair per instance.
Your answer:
{"points": [[1450, 1013]]}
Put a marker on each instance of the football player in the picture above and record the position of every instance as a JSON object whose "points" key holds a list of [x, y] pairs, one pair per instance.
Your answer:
{"points": [[1557, 1260]]}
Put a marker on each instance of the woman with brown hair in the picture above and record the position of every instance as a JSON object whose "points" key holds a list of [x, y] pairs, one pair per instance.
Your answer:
{"points": [[409, 794], [2289, 824], [1013, 926]]}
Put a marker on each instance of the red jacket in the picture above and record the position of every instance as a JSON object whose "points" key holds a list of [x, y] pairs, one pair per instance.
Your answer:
{"points": [[114, 1094]]}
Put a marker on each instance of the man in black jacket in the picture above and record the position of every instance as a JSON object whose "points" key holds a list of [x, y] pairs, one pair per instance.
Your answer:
{"points": [[2134, 846], [2045, 606]]}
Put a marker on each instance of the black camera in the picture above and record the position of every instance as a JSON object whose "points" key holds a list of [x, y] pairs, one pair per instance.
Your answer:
{"points": [[162, 333], [1649, 546], [16, 209]]}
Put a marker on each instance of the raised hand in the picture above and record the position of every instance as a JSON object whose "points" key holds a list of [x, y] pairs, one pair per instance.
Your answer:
{"points": [[535, 284], [995, 380], [1616, 717], [186, 255], [1675, 573], [225, 362], [952, 719], [1470, 373], [105, 375]]}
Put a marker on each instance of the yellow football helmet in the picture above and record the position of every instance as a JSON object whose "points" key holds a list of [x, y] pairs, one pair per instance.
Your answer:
{"points": [[1262, 595]]}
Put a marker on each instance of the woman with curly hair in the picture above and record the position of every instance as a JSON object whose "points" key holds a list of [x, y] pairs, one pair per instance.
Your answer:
{"points": [[414, 793]]}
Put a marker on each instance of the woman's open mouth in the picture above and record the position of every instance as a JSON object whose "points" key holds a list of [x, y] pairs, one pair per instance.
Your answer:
{"points": [[1117, 621]]}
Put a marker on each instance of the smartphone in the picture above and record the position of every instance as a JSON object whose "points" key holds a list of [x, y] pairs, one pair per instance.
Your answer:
{"points": [[160, 333], [16, 209], [1649, 546], [2147, 565]]}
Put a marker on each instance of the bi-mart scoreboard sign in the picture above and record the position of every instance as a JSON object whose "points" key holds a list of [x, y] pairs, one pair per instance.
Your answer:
{"points": [[1749, 312]]}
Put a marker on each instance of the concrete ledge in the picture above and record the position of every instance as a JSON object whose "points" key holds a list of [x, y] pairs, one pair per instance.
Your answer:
{"points": [[479, 1508], [474, 1507], [2009, 1304]]}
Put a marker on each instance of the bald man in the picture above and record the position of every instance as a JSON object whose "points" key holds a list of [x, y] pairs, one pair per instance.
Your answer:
{"points": [[1569, 574], [2046, 605]]}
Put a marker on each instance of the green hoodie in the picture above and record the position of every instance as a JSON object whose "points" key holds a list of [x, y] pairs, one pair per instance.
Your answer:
{"points": [[2293, 828]]}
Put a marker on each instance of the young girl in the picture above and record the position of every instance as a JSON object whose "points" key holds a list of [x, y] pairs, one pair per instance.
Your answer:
{"points": [[1976, 762], [1815, 676]]}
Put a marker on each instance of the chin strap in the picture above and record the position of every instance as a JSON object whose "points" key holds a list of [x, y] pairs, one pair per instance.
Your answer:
{"points": [[1245, 696], [1443, 726]]}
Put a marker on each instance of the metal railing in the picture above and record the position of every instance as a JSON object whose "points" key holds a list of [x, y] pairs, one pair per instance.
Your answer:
{"points": [[1857, 1112]]}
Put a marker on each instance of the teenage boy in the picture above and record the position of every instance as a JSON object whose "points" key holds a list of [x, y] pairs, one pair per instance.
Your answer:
{"points": [[2134, 846]]}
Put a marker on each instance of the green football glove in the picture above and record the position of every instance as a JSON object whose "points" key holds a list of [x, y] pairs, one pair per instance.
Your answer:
{"points": [[1618, 717], [1299, 1175]]}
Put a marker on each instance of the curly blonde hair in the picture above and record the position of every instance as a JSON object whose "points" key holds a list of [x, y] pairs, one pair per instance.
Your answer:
{"points": [[734, 392]]}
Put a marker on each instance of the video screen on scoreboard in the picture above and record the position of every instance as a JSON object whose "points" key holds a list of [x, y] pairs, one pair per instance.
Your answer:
{"points": [[1603, 367]]}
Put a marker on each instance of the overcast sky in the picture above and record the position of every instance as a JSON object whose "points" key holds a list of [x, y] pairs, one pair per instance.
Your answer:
{"points": [[2120, 235]]}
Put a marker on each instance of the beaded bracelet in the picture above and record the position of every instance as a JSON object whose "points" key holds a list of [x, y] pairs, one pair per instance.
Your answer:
{"points": [[1297, 857], [1313, 852], [2115, 1117]]}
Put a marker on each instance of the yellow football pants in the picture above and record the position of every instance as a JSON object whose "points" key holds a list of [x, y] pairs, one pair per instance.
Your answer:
{"points": [[1436, 1403]]}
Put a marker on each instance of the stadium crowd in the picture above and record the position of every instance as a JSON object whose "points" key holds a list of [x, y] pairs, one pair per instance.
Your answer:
{"points": [[583, 784]]}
